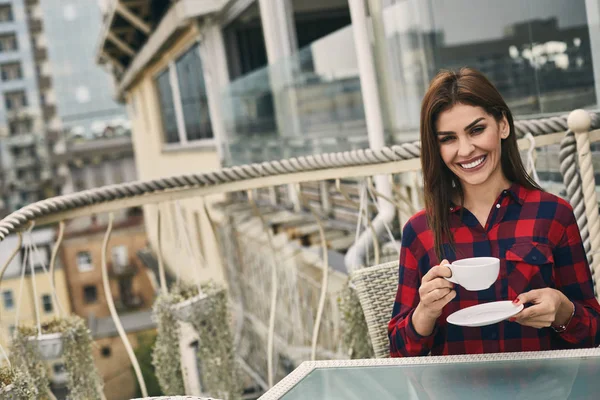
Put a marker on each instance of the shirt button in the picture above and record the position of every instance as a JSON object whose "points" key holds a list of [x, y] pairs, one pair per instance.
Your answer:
{"points": [[497, 205], [534, 258], [451, 208]]}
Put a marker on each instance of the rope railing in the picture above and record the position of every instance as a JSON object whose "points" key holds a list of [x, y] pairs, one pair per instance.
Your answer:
{"points": [[246, 176]]}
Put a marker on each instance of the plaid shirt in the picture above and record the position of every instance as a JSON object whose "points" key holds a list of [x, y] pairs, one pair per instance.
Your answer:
{"points": [[536, 238]]}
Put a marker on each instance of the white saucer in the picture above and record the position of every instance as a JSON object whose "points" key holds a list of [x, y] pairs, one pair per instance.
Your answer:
{"points": [[484, 314]]}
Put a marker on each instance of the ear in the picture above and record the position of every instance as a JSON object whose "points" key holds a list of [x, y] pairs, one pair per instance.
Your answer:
{"points": [[504, 128]]}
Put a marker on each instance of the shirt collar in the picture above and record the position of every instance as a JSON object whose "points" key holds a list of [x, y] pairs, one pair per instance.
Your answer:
{"points": [[516, 191]]}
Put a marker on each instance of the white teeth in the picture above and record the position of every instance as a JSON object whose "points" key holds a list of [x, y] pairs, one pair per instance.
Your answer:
{"points": [[473, 164]]}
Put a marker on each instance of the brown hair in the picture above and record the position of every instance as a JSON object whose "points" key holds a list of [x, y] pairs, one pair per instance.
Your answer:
{"points": [[466, 86]]}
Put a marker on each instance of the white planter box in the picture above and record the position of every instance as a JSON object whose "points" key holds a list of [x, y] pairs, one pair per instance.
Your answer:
{"points": [[7, 393], [184, 311], [50, 345]]}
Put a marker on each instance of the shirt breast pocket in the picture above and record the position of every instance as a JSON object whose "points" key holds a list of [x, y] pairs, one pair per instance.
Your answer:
{"points": [[529, 266]]}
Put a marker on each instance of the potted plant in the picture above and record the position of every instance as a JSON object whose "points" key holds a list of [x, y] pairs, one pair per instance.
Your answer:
{"points": [[68, 338], [208, 313], [355, 340], [165, 354], [188, 302], [15, 385]]}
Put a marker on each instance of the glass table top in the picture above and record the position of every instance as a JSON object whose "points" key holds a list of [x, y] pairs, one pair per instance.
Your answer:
{"points": [[561, 378]]}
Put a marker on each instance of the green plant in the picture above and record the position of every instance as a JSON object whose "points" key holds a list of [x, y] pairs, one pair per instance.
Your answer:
{"points": [[143, 353], [211, 321], [27, 360], [21, 386], [215, 350], [166, 357], [355, 339], [83, 380]]}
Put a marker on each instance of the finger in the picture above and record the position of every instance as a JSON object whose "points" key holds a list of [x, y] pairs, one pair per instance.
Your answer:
{"points": [[447, 298], [437, 283], [437, 272], [528, 297], [539, 311], [435, 295]]}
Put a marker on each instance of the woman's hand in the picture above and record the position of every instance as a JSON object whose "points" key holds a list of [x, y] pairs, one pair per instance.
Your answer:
{"points": [[435, 292], [550, 307]]}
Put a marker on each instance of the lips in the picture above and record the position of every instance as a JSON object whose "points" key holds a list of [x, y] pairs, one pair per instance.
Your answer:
{"points": [[473, 163]]}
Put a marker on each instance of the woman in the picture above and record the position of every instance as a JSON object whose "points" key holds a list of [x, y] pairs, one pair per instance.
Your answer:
{"points": [[480, 202]]}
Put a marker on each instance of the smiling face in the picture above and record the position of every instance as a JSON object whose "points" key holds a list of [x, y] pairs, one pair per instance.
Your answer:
{"points": [[470, 143]]}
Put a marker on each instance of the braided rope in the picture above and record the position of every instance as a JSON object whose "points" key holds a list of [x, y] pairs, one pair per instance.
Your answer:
{"points": [[588, 185], [572, 182], [406, 151]]}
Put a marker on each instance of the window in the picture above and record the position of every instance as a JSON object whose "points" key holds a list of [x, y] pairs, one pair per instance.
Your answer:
{"points": [[119, 256], [21, 126], [7, 297], [8, 42], [47, 303], [184, 108], [105, 351], [11, 71], [167, 108], [6, 14], [192, 90], [84, 261], [15, 100], [90, 294]]}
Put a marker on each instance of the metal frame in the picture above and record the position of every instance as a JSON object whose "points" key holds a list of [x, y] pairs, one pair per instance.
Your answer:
{"points": [[290, 381]]}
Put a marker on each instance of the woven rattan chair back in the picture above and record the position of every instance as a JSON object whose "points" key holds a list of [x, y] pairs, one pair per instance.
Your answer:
{"points": [[376, 289]]}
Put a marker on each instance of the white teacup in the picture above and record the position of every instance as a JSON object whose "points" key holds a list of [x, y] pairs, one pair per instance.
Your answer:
{"points": [[477, 273]]}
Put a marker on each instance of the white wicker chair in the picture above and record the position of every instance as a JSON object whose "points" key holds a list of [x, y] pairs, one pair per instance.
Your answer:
{"points": [[376, 289]]}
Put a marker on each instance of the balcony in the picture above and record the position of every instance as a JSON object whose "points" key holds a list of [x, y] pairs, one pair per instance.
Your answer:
{"points": [[35, 25], [122, 271], [45, 82], [285, 264], [48, 111], [40, 54], [21, 140], [25, 161], [301, 105]]}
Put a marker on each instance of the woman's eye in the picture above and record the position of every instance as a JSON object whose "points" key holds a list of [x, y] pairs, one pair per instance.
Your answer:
{"points": [[478, 129], [446, 139]]}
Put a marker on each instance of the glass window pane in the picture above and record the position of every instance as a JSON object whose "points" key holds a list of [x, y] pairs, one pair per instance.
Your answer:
{"points": [[47, 303], [193, 95], [537, 53], [7, 296], [167, 108], [561, 54]]}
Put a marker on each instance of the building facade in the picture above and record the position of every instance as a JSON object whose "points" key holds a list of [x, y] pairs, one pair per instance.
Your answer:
{"points": [[24, 154], [53, 92], [19, 296]]}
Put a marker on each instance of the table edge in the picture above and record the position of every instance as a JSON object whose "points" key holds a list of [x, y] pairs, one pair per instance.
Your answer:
{"points": [[291, 380]]}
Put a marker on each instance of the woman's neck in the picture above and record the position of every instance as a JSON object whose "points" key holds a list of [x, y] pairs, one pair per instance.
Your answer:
{"points": [[482, 196]]}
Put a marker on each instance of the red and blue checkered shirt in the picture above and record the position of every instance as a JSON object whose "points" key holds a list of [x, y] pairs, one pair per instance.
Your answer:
{"points": [[536, 238]]}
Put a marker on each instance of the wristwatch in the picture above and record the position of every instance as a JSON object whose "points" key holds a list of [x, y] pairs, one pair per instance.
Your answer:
{"points": [[562, 328]]}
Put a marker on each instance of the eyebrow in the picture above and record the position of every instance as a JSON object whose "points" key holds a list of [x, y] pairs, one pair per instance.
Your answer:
{"points": [[442, 133]]}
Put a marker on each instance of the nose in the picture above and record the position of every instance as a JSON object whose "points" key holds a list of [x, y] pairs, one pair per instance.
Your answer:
{"points": [[465, 147]]}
